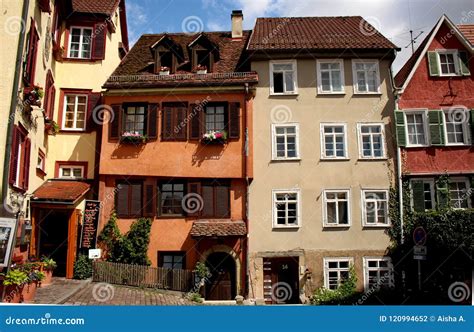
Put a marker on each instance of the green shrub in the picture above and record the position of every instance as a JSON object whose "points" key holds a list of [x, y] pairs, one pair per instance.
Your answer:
{"points": [[344, 294], [15, 277], [109, 236], [49, 264], [195, 297], [82, 268]]}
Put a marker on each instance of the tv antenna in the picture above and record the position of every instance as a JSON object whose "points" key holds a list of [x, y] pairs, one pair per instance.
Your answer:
{"points": [[413, 40]]}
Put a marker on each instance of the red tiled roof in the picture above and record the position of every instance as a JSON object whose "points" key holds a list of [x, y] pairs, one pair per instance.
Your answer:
{"points": [[468, 31], [213, 228], [106, 7], [295, 33], [61, 191], [137, 68]]}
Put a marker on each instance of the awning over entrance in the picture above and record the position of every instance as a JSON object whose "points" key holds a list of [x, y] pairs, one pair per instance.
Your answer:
{"points": [[60, 192], [218, 228]]}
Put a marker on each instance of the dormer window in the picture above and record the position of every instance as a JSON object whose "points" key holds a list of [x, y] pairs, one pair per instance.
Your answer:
{"points": [[204, 59], [167, 55], [165, 59], [204, 53]]}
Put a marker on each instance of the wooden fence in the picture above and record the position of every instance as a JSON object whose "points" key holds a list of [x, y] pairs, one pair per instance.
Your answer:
{"points": [[142, 276]]}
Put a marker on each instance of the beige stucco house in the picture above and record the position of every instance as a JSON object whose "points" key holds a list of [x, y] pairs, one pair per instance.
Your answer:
{"points": [[318, 203]]}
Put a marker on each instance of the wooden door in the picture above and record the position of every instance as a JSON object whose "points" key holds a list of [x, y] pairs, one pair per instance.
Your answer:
{"points": [[281, 280]]}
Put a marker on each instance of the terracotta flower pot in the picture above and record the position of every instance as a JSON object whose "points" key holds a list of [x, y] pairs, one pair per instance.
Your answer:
{"points": [[12, 293], [48, 279], [29, 292]]}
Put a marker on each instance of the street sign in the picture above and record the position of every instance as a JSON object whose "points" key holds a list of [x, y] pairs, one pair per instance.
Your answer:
{"points": [[419, 236], [419, 257], [95, 253], [420, 250]]}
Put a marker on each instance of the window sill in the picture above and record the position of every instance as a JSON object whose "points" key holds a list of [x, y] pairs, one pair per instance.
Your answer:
{"points": [[335, 159], [341, 93], [40, 171], [372, 159], [418, 146], [279, 160], [367, 93], [286, 227], [376, 226], [72, 131], [80, 60], [284, 94], [450, 75], [336, 226]]}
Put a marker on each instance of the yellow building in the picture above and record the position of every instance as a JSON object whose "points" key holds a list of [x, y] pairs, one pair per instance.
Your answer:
{"points": [[68, 48]]}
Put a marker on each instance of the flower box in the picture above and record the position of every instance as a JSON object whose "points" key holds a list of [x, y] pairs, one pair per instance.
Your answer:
{"points": [[32, 95], [164, 71], [133, 138], [200, 70], [214, 137]]}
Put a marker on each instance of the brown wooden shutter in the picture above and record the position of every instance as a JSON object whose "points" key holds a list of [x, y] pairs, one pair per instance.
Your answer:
{"points": [[195, 114], [152, 131], [167, 123], [222, 202], [26, 164], [208, 199], [136, 199], [29, 72], [93, 100], [194, 188], [121, 204], [149, 199], [99, 41], [180, 125], [234, 120], [47, 92], [115, 124], [14, 155]]}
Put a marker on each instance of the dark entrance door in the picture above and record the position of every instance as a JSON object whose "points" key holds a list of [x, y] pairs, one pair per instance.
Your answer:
{"points": [[281, 280], [221, 284], [53, 237]]}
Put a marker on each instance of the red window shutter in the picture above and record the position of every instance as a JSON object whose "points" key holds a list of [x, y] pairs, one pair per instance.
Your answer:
{"points": [[51, 99], [115, 124], [195, 128], [152, 131], [167, 123], [234, 120], [93, 101], [194, 188], [98, 41], [149, 199], [32, 48], [26, 164], [14, 155]]}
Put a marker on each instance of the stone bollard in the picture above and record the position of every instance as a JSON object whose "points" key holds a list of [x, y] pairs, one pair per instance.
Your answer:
{"points": [[239, 299]]}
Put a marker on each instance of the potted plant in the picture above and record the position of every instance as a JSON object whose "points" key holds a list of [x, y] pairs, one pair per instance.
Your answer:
{"points": [[164, 70], [201, 69], [32, 95], [47, 267], [34, 278], [214, 137], [13, 282], [51, 127], [133, 137]]}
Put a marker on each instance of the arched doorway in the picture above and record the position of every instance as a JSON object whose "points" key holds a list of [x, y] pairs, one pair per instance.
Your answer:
{"points": [[221, 284]]}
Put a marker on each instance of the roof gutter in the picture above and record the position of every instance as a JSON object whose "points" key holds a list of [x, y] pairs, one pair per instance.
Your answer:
{"points": [[14, 100]]}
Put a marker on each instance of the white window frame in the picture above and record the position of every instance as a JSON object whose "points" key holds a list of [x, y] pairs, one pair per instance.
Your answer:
{"points": [[71, 168], [319, 71], [63, 125], [354, 76], [274, 209], [361, 145], [423, 112], [42, 165], [454, 52], [323, 140], [431, 181], [465, 127], [81, 42], [18, 165], [367, 269], [274, 143], [468, 188], [295, 78], [349, 210], [327, 260], [364, 206]]}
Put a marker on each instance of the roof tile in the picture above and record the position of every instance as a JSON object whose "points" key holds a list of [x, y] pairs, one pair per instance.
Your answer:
{"points": [[106, 7], [64, 191], [213, 228]]}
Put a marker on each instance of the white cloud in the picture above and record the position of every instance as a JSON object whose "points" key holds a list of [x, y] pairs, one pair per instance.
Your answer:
{"points": [[136, 18]]}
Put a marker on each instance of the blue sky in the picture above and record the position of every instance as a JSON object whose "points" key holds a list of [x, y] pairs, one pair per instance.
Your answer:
{"points": [[394, 18]]}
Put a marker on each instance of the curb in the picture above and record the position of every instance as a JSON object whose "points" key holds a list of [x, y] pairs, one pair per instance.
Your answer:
{"points": [[79, 287]]}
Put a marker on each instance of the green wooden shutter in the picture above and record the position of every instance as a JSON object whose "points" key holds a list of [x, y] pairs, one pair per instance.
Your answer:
{"points": [[464, 63], [418, 196], [435, 118], [433, 63], [442, 194], [400, 129]]}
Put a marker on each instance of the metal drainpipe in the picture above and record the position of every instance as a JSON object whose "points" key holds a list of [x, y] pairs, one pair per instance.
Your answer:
{"points": [[400, 182], [14, 101], [246, 151]]}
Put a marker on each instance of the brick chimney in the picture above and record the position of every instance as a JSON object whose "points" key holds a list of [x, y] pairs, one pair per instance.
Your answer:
{"points": [[237, 17]]}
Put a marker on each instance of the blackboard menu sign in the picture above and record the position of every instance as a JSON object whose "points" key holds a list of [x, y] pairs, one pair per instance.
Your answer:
{"points": [[90, 224]]}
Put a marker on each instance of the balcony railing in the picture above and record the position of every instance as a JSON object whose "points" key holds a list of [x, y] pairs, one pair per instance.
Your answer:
{"points": [[181, 77]]}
